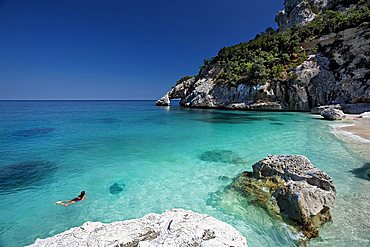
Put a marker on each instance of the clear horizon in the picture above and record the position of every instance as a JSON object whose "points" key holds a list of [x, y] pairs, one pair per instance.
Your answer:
{"points": [[95, 50], [83, 100]]}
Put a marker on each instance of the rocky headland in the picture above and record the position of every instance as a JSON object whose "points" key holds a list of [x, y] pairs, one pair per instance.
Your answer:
{"points": [[176, 227], [326, 62]]}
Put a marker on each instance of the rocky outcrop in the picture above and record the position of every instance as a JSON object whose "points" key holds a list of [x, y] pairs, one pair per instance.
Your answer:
{"points": [[291, 186], [332, 114], [203, 91], [319, 109], [164, 101], [176, 227], [299, 12]]}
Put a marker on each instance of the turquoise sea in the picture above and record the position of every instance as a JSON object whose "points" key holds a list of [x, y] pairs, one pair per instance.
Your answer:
{"points": [[161, 158]]}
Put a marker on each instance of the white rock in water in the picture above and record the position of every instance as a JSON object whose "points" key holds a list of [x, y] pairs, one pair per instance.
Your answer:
{"points": [[164, 101], [332, 114], [176, 227]]}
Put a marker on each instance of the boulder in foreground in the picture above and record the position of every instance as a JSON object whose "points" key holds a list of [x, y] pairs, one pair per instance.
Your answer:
{"points": [[176, 227], [291, 186]]}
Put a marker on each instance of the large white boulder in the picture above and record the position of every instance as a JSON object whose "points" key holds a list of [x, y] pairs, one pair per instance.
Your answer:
{"points": [[176, 227]]}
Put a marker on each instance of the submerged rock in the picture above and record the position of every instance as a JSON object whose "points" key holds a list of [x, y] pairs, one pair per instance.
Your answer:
{"points": [[332, 114], [362, 172], [35, 132], [109, 120], [176, 227], [277, 123], [18, 176], [291, 186], [224, 179], [232, 118], [116, 188], [223, 156]]}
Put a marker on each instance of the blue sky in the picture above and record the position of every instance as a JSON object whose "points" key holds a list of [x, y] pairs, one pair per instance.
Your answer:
{"points": [[116, 49]]}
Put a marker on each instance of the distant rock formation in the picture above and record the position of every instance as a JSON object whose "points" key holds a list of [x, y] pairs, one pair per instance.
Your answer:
{"points": [[291, 186], [321, 80], [336, 71], [164, 101], [19, 176], [332, 114], [176, 227], [319, 109]]}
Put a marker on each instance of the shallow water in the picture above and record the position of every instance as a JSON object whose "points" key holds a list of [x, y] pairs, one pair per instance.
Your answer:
{"points": [[133, 158]]}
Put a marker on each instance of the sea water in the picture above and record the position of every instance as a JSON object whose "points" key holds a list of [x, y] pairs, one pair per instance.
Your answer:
{"points": [[159, 158]]}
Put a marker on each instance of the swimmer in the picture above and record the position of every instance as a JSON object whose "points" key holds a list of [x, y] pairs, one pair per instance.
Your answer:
{"points": [[66, 203]]}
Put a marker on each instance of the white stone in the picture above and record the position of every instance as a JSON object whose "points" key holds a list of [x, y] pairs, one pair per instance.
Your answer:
{"points": [[176, 227], [365, 115]]}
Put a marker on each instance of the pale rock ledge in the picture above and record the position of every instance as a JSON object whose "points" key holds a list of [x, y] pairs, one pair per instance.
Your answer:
{"points": [[176, 227]]}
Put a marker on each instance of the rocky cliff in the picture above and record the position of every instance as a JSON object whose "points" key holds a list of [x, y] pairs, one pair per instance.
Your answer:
{"points": [[176, 227], [299, 12], [332, 67]]}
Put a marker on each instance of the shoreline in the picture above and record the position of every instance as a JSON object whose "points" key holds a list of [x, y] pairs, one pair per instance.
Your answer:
{"points": [[354, 132], [355, 128]]}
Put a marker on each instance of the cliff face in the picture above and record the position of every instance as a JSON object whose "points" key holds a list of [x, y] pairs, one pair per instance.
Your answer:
{"points": [[299, 12], [336, 71]]}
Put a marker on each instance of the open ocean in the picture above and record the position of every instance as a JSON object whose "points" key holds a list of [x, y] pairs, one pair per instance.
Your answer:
{"points": [[159, 158]]}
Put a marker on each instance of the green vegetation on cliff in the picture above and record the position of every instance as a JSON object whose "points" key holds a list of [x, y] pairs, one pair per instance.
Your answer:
{"points": [[182, 79], [271, 54]]}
